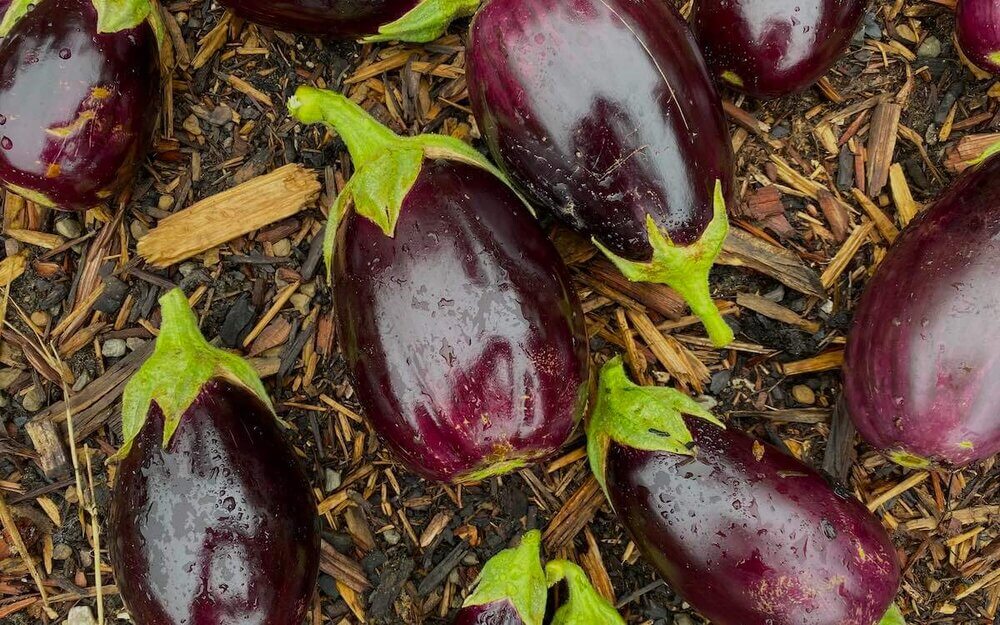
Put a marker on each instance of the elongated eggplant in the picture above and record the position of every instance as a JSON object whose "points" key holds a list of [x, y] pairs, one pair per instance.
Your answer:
{"points": [[212, 518], [79, 91], [921, 365], [511, 590], [772, 48], [977, 25], [374, 20], [744, 533], [456, 315], [603, 112]]}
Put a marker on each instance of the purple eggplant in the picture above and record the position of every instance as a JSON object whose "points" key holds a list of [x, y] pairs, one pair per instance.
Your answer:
{"points": [[920, 365], [603, 112], [511, 590], [457, 317], [772, 48], [374, 20], [977, 25], [212, 518], [743, 532], [79, 91]]}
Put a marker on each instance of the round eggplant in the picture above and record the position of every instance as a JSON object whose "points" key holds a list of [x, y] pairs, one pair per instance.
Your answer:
{"points": [[977, 25], [743, 532], [919, 370], [604, 112], [79, 91], [374, 20], [212, 518], [455, 313], [772, 48]]}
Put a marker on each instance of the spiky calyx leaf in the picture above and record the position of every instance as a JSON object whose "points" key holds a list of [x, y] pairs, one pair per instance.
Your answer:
{"points": [[173, 376], [584, 606], [650, 418], [425, 22], [515, 575], [893, 617], [112, 15], [385, 164], [685, 268]]}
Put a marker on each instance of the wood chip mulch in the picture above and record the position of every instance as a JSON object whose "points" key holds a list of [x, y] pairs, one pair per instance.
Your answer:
{"points": [[826, 182]]}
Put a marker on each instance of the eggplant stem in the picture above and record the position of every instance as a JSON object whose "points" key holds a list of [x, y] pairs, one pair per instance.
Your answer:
{"points": [[425, 22], [386, 165], [685, 268], [584, 606], [650, 418], [173, 376], [515, 575]]}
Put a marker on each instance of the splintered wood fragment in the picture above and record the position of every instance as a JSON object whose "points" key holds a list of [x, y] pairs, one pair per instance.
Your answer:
{"points": [[680, 363], [12, 267], [212, 42], [882, 145], [575, 514], [279, 303], [45, 438], [984, 581], [809, 416], [906, 207], [886, 228], [742, 249], [836, 215], [763, 203], [385, 65], [38, 239], [249, 90], [827, 361], [846, 252], [824, 135], [342, 569], [967, 151], [592, 562], [829, 90], [775, 311], [898, 490], [796, 180], [223, 217]]}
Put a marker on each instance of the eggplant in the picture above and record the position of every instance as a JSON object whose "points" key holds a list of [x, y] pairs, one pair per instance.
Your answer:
{"points": [[212, 517], [79, 91], [919, 368], [743, 532], [773, 48], [418, 21], [603, 112], [511, 590], [977, 26], [458, 319]]}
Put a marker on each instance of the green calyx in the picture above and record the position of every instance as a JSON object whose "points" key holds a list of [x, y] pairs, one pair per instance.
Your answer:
{"points": [[515, 575], [908, 460], [584, 606], [181, 364], [893, 617], [685, 268], [112, 15], [385, 164], [500, 467], [650, 418], [425, 22]]}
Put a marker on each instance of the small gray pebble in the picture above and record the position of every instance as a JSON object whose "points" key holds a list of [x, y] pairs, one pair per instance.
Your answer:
{"points": [[392, 536], [69, 228], [930, 48], [114, 348]]}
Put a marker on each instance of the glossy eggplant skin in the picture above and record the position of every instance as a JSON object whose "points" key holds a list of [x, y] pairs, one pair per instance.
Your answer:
{"points": [[220, 527], [750, 541], [920, 367], [463, 333], [495, 613], [603, 112], [977, 25], [772, 48], [336, 18], [77, 108]]}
